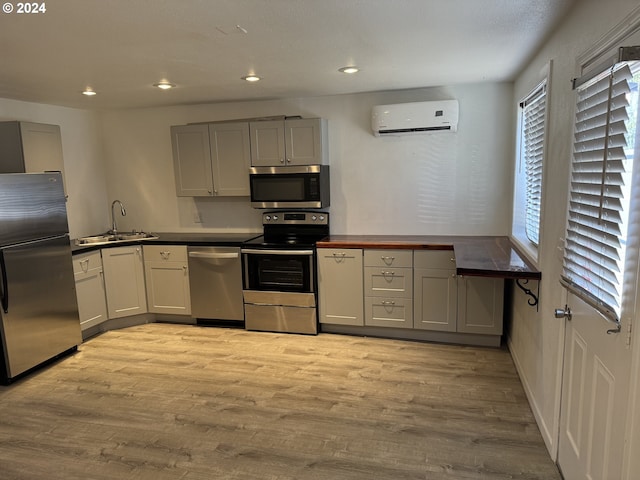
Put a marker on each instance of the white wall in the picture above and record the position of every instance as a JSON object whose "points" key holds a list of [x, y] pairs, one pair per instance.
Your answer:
{"points": [[536, 337], [438, 183], [83, 164]]}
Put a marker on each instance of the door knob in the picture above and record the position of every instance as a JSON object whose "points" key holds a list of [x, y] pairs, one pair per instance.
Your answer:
{"points": [[563, 312]]}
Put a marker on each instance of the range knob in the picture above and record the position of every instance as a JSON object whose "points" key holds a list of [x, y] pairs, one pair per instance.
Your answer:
{"points": [[267, 218], [275, 218], [314, 218], [322, 218]]}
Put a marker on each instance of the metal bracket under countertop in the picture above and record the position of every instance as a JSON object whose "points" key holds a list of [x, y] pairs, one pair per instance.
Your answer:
{"points": [[533, 301]]}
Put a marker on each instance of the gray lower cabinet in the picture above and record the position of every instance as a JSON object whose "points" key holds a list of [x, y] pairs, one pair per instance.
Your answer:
{"points": [[480, 305], [388, 287], [435, 291], [340, 284], [411, 290], [124, 281], [90, 291], [167, 279], [211, 160]]}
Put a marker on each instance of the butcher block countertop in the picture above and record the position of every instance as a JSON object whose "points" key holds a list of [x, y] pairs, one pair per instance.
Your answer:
{"points": [[484, 256]]}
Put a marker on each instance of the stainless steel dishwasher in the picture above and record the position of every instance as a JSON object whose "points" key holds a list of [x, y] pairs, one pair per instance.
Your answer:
{"points": [[215, 280]]}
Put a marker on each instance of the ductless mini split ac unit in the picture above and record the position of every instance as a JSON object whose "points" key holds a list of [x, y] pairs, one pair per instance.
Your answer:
{"points": [[416, 117]]}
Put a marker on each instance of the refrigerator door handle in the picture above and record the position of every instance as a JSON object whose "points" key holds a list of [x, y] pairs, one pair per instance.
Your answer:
{"points": [[4, 285]]}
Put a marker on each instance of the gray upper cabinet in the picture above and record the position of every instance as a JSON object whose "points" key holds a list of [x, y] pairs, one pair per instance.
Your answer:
{"points": [[230, 158], [211, 159], [290, 142], [30, 147]]}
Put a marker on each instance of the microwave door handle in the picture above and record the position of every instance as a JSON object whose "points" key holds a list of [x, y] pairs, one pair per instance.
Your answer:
{"points": [[257, 251]]}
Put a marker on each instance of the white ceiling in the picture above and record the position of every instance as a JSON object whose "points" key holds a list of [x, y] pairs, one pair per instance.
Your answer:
{"points": [[121, 47]]}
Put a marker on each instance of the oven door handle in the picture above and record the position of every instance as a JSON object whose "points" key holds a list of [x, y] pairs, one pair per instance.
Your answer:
{"points": [[213, 255], [277, 252]]}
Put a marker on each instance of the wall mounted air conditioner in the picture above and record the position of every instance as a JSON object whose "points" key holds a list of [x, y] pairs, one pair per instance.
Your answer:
{"points": [[416, 117]]}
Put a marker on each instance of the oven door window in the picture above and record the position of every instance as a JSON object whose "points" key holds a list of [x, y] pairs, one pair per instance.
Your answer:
{"points": [[279, 273]]}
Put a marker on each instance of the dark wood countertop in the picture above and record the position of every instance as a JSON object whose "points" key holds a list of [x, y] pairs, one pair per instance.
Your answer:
{"points": [[486, 256]]}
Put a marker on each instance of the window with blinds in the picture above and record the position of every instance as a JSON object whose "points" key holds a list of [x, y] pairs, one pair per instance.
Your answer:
{"points": [[534, 109], [600, 191]]}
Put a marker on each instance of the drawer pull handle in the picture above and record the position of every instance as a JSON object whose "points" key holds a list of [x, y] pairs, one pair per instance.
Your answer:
{"points": [[388, 302], [339, 257], [388, 260], [388, 273], [84, 265]]}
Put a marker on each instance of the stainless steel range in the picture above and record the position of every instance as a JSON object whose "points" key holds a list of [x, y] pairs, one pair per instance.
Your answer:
{"points": [[280, 285]]}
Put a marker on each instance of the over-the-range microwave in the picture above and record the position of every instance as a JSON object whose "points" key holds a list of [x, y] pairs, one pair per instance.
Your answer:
{"points": [[305, 186]]}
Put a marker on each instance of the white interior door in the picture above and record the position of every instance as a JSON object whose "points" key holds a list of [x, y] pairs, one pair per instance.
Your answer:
{"points": [[594, 396], [601, 264]]}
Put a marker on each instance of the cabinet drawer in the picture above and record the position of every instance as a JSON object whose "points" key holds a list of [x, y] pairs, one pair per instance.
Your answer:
{"points": [[84, 262], [166, 253], [339, 254], [388, 312], [388, 281], [435, 259], [388, 258]]}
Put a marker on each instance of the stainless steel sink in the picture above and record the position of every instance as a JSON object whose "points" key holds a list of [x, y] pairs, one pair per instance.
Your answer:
{"points": [[120, 237], [135, 236]]}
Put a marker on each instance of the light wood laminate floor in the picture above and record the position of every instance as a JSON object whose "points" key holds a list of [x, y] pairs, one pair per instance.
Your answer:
{"points": [[163, 401]]}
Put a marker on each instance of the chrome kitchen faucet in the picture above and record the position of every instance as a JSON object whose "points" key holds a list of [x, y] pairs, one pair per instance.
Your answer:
{"points": [[114, 228]]}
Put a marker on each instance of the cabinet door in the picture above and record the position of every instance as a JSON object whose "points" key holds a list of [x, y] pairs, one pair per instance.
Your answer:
{"points": [[192, 160], [480, 305], [267, 143], [42, 147], [304, 141], [341, 291], [90, 291], [31, 147], [167, 279], [124, 281], [231, 158], [435, 299]]}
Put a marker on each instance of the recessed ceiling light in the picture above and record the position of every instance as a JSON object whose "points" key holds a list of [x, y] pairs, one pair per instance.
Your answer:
{"points": [[349, 69], [89, 92], [164, 85], [251, 78]]}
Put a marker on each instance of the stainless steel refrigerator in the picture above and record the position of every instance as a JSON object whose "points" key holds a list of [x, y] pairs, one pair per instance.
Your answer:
{"points": [[38, 312]]}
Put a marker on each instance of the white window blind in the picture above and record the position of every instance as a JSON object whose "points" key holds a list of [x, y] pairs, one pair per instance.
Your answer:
{"points": [[532, 139], [600, 191]]}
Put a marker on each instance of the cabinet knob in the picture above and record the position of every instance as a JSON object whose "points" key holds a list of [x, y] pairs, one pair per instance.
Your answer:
{"points": [[288, 160], [282, 160]]}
